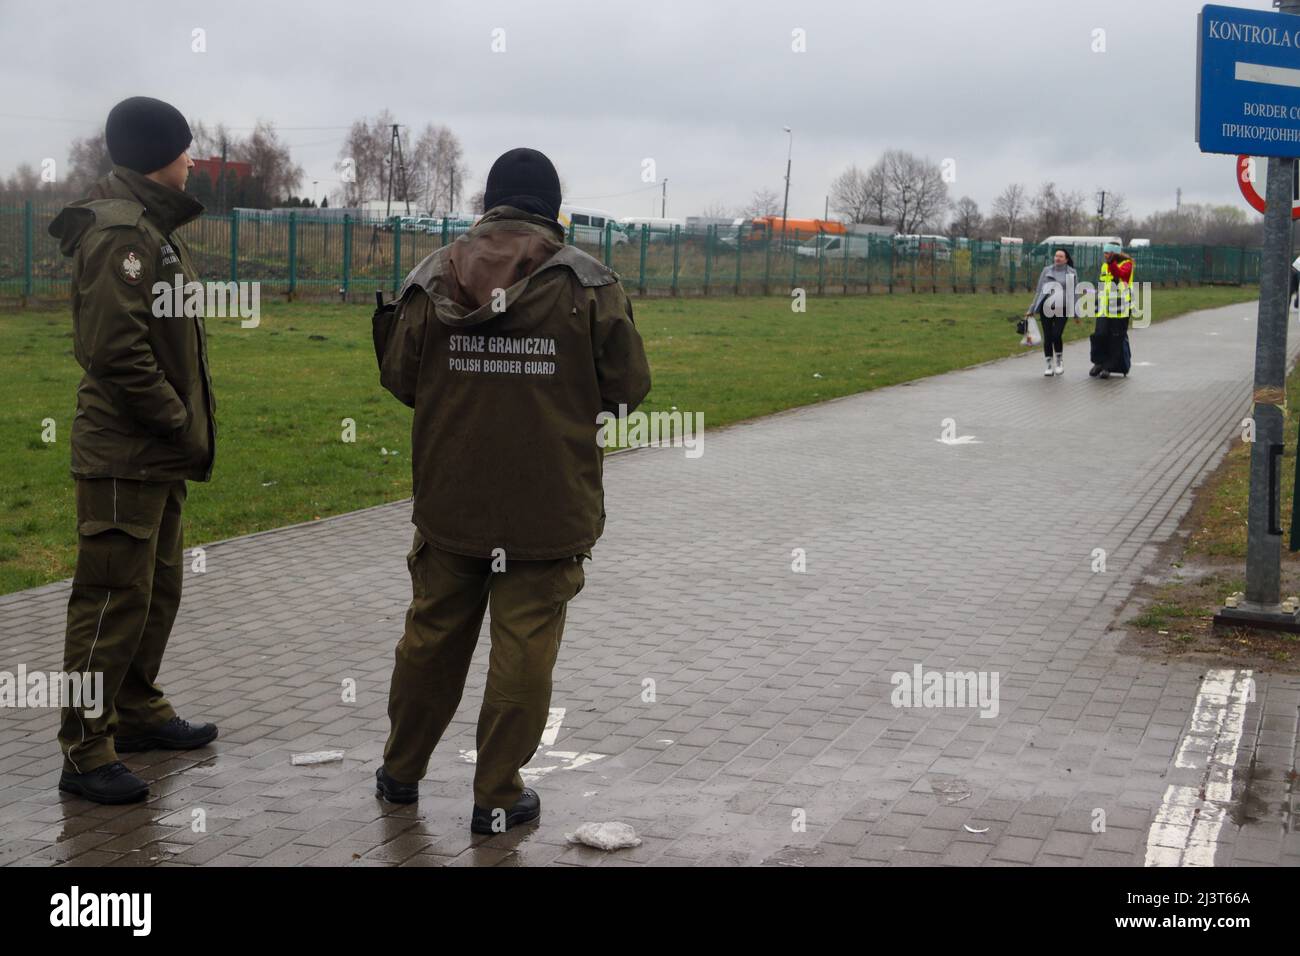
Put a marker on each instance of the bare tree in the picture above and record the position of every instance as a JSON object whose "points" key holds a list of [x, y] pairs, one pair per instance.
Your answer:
{"points": [[914, 193], [437, 170], [363, 160], [764, 202], [849, 195], [273, 169], [88, 161], [1009, 210], [967, 220], [718, 210], [1112, 214], [1058, 214], [208, 140]]}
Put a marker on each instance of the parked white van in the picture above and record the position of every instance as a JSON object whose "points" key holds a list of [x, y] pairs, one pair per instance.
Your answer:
{"points": [[589, 224], [661, 227]]}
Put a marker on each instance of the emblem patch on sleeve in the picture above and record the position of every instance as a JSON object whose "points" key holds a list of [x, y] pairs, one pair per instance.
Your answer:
{"points": [[130, 265]]}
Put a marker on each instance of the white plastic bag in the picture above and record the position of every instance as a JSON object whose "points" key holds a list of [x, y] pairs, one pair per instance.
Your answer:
{"points": [[1032, 335], [605, 836]]}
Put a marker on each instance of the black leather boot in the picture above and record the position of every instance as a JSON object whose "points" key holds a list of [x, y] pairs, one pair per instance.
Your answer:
{"points": [[526, 809], [111, 783], [394, 791], [176, 734]]}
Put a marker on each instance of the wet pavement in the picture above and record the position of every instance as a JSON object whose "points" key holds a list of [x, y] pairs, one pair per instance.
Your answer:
{"points": [[731, 708]]}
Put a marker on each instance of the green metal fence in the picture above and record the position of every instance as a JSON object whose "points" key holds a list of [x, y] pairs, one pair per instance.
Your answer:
{"points": [[304, 256]]}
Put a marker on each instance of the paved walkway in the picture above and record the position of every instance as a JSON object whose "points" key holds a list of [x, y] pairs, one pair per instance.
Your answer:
{"points": [[771, 736]]}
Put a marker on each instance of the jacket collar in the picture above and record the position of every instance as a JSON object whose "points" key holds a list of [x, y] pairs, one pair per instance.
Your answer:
{"points": [[512, 216], [169, 208]]}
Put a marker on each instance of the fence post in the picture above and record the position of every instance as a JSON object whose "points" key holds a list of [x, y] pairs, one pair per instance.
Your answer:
{"points": [[708, 256], [972, 266], [767, 264], [739, 237], [29, 239], [609, 238], [645, 241], [846, 261], [293, 254], [234, 245], [347, 254], [676, 256], [821, 265], [397, 252]]}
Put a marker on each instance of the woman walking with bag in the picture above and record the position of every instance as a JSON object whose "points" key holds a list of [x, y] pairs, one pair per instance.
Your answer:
{"points": [[1054, 302]]}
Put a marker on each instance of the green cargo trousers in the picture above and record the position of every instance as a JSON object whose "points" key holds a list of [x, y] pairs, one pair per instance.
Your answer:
{"points": [[125, 594], [450, 593]]}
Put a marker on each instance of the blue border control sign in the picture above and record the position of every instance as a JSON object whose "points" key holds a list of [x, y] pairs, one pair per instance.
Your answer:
{"points": [[1248, 82]]}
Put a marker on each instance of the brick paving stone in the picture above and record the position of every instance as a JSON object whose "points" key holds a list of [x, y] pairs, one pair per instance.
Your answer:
{"points": [[773, 688]]}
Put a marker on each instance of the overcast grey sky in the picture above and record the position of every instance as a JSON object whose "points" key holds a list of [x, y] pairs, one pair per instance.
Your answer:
{"points": [[1009, 89]]}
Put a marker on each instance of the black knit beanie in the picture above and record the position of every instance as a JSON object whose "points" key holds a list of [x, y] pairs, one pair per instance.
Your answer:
{"points": [[146, 134], [526, 179]]}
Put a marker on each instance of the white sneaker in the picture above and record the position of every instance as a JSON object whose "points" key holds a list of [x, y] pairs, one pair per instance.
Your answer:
{"points": [[1049, 373], [1060, 368]]}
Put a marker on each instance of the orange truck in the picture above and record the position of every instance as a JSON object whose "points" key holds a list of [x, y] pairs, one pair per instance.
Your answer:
{"points": [[795, 230]]}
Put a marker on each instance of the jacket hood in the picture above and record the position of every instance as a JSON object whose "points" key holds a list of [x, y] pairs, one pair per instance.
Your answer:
{"points": [[168, 208], [503, 250]]}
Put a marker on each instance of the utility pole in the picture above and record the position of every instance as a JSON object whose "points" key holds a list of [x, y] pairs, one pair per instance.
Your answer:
{"points": [[1101, 210], [1262, 601], [785, 206], [222, 174], [663, 200], [1178, 199]]}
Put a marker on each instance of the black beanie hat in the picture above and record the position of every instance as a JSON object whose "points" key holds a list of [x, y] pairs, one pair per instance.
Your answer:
{"points": [[523, 178], [146, 134]]}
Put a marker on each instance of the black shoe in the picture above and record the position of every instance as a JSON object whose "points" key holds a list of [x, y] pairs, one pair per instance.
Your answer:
{"points": [[394, 791], [176, 734], [111, 783], [1094, 371], [526, 809], [1104, 373]]}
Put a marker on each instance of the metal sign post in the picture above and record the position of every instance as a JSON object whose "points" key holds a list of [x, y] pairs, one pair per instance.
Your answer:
{"points": [[1248, 102]]}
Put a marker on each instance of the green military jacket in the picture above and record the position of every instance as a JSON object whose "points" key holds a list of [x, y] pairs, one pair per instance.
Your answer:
{"points": [[509, 344], [145, 408]]}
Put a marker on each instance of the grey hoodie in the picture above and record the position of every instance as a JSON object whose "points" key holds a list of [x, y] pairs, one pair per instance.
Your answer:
{"points": [[1056, 291]]}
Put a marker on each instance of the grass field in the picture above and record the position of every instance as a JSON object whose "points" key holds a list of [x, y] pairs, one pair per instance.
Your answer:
{"points": [[284, 388]]}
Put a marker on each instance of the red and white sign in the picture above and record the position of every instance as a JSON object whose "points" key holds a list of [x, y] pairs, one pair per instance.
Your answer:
{"points": [[1252, 178]]}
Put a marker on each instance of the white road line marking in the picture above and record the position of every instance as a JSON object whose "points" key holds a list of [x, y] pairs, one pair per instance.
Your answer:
{"points": [[568, 759], [1186, 829], [552, 729], [1259, 73]]}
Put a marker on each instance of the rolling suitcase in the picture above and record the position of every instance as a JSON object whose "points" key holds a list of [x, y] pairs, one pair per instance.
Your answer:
{"points": [[1098, 348]]}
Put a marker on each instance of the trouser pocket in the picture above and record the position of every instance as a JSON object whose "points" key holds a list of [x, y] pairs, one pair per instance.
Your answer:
{"points": [[570, 578]]}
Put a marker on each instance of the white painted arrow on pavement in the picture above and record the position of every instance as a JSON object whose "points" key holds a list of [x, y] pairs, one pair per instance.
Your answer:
{"points": [[568, 759]]}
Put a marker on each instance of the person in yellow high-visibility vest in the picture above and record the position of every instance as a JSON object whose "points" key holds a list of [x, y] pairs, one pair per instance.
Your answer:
{"points": [[1114, 305]]}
